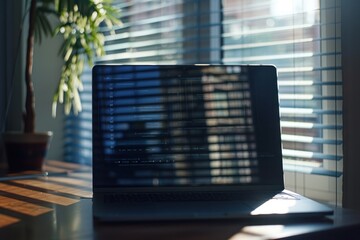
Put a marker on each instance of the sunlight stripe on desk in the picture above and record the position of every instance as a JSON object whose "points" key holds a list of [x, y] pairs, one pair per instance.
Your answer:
{"points": [[22, 207], [7, 220], [71, 181], [56, 187], [46, 197], [55, 169], [68, 165], [83, 175]]}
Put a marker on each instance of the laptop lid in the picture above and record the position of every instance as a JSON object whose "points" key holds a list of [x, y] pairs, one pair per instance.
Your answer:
{"points": [[186, 127]]}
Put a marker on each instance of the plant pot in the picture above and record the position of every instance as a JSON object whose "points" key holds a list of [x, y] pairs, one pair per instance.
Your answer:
{"points": [[26, 151]]}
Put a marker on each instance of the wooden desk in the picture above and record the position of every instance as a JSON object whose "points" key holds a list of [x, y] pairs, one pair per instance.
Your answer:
{"points": [[60, 207]]}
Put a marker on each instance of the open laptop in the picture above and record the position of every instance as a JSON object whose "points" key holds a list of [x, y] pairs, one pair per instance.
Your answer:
{"points": [[189, 142]]}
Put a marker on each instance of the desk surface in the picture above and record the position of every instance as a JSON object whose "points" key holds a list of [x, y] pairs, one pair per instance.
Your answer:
{"points": [[59, 206]]}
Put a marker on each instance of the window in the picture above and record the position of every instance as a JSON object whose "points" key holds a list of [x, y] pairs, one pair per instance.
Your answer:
{"points": [[300, 37]]}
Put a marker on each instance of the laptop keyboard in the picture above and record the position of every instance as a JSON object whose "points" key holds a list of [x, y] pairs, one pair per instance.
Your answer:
{"points": [[178, 196], [168, 196]]}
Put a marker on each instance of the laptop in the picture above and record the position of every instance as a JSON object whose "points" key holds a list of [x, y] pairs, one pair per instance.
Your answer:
{"points": [[176, 142]]}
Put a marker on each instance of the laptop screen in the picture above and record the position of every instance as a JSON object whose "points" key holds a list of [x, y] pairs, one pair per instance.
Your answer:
{"points": [[163, 126]]}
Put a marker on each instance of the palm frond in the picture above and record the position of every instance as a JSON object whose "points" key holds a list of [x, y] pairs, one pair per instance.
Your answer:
{"points": [[43, 24]]}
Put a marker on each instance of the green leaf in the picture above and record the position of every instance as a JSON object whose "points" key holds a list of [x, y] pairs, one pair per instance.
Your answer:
{"points": [[48, 10], [86, 42], [65, 46], [37, 31], [43, 24]]}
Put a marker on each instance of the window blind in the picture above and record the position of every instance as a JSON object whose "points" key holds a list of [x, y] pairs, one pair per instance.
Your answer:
{"points": [[78, 129], [300, 37]]}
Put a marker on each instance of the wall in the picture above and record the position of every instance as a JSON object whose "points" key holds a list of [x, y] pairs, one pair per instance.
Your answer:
{"points": [[321, 188], [46, 73], [3, 82], [10, 68], [351, 110]]}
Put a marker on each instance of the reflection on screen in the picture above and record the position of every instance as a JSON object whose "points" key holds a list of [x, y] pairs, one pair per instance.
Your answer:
{"points": [[174, 126]]}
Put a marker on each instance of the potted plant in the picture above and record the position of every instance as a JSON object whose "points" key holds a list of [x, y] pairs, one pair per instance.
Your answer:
{"points": [[79, 22]]}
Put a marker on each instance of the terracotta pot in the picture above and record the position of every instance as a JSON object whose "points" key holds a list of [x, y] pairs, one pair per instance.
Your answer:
{"points": [[26, 151]]}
